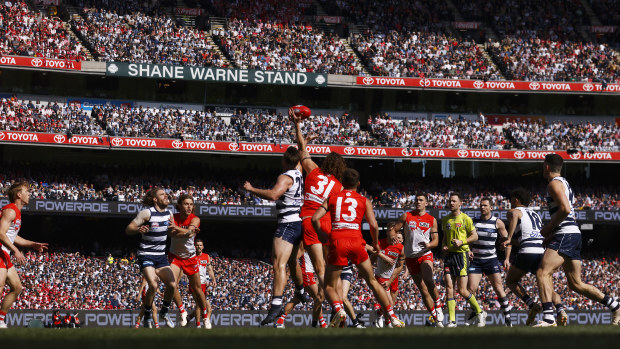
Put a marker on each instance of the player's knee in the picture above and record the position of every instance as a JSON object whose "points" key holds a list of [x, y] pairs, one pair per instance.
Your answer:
{"points": [[575, 285], [171, 284], [17, 289]]}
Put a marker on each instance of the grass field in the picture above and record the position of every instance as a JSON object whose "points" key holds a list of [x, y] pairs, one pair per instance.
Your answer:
{"points": [[582, 337]]}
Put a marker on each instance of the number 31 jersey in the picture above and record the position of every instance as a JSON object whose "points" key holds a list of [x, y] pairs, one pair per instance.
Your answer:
{"points": [[317, 188]]}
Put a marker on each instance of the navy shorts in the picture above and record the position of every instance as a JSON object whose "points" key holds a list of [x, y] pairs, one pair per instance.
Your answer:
{"points": [[485, 266], [567, 245], [528, 262], [347, 273], [158, 261], [290, 232]]}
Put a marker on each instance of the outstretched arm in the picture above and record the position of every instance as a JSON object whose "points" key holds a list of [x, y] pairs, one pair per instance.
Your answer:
{"points": [[284, 182], [306, 161]]}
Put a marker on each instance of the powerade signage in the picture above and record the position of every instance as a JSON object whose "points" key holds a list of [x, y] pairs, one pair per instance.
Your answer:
{"points": [[212, 74], [127, 318], [258, 212]]}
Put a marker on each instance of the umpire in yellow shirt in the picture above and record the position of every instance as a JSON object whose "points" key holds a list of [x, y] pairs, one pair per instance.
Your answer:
{"points": [[458, 233]]}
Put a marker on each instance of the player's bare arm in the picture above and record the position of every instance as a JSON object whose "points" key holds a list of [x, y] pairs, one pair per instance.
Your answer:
{"points": [[374, 227], [138, 226], [191, 230], [38, 246], [8, 216], [513, 218], [211, 275], [316, 219], [398, 269], [398, 225], [556, 191], [434, 237], [283, 183], [306, 161], [386, 258]]}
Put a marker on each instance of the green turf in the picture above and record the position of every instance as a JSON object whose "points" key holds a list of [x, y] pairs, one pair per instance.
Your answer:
{"points": [[583, 337]]}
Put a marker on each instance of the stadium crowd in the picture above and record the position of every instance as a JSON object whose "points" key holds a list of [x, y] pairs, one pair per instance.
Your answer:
{"points": [[70, 280], [26, 33], [295, 47], [141, 38], [263, 126]]}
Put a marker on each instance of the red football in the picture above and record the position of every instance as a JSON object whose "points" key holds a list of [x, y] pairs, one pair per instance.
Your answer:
{"points": [[301, 111]]}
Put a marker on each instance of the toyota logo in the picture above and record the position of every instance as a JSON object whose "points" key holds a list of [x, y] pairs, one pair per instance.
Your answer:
{"points": [[575, 156], [233, 146], [177, 144], [37, 62], [59, 138], [478, 84], [534, 86], [349, 150], [463, 153], [519, 154], [407, 152], [117, 142], [425, 82], [588, 87], [368, 81], [2, 135]]}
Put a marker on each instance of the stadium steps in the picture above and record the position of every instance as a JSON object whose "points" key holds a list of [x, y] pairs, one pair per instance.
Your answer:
{"points": [[590, 13], [219, 23], [486, 55], [358, 60], [74, 34]]}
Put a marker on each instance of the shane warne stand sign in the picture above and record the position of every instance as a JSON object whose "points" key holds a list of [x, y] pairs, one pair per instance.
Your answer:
{"points": [[113, 142]]}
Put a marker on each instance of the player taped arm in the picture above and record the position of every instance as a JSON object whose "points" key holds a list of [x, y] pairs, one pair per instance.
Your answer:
{"points": [[306, 162], [284, 182], [556, 191], [137, 225], [434, 236]]}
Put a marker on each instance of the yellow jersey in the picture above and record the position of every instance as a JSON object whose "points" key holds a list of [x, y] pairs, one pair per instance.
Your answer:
{"points": [[456, 228]]}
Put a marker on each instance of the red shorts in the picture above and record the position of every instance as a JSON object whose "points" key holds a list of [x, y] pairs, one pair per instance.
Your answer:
{"points": [[311, 237], [5, 260], [413, 264], [309, 279], [343, 250], [393, 286], [188, 265]]}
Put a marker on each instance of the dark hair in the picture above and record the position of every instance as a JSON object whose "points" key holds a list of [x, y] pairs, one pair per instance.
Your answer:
{"points": [[523, 195], [291, 156], [350, 178], [334, 165], [198, 240], [457, 194], [14, 189], [486, 198], [182, 198], [422, 194], [149, 198], [555, 162]]}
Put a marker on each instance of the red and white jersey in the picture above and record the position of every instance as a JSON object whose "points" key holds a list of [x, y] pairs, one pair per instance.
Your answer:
{"points": [[347, 210], [417, 230], [306, 264], [384, 269], [203, 267], [183, 247], [16, 224], [317, 188]]}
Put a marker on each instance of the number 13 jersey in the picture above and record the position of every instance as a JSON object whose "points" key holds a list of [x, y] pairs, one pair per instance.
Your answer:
{"points": [[346, 210]]}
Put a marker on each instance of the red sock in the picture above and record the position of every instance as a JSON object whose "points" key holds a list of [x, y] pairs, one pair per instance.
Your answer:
{"points": [[181, 309], [322, 321], [205, 314], [390, 311], [337, 306]]}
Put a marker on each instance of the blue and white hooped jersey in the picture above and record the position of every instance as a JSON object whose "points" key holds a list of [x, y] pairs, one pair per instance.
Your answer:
{"points": [[153, 243], [569, 224], [289, 204], [484, 247], [528, 232]]}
